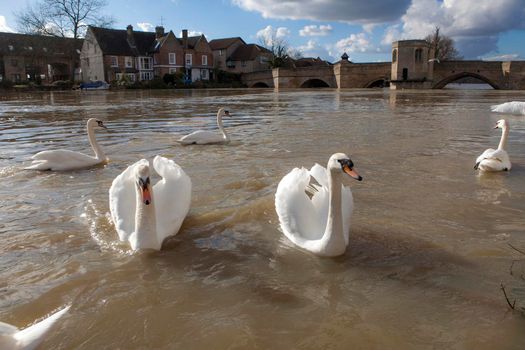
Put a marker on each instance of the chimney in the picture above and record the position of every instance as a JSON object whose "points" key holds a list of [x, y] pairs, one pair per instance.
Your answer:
{"points": [[131, 39], [159, 31], [185, 38]]}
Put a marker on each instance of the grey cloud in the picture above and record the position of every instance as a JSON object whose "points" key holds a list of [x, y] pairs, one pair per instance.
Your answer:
{"points": [[357, 11]]}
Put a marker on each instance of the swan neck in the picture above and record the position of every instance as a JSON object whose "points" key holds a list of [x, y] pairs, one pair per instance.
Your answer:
{"points": [[333, 236], [145, 224], [99, 153], [504, 135], [221, 127]]}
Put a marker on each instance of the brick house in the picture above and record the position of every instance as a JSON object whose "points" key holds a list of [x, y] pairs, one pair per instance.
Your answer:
{"points": [[25, 57], [235, 56], [111, 54]]}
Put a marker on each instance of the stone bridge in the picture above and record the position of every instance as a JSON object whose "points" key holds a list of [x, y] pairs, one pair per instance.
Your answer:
{"points": [[344, 74]]}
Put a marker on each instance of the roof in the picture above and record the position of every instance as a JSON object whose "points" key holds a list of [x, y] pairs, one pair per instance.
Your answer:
{"points": [[310, 61], [248, 52], [115, 42], [218, 44], [192, 41], [41, 45]]}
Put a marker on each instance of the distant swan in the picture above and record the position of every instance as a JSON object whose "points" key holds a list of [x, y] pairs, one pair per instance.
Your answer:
{"points": [[316, 217], [144, 214], [30, 337], [69, 160], [514, 107], [496, 159], [203, 137]]}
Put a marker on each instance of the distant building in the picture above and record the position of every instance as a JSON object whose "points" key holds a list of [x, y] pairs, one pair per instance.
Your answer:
{"points": [[235, 56], [111, 54], [25, 57]]}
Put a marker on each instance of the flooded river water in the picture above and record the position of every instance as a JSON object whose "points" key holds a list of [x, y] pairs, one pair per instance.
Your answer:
{"points": [[429, 242]]}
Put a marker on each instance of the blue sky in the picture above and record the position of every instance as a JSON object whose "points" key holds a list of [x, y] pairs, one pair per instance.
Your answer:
{"points": [[482, 29]]}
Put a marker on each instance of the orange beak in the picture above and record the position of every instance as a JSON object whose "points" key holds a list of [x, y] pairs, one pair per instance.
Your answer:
{"points": [[352, 173], [146, 195]]}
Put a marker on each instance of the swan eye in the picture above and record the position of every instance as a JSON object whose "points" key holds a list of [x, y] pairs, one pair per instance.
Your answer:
{"points": [[143, 183], [346, 162]]}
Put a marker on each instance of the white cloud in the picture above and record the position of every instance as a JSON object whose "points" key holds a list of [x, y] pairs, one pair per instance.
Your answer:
{"points": [[314, 30], [145, 26], [475, 25], [358, 11], [4, 27], [504, 57], [313, 49], [353, 43], [191, 33], [268, 34]]}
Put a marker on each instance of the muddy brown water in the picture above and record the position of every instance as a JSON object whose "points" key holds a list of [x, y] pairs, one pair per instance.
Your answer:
{"points": [[429, 237]]}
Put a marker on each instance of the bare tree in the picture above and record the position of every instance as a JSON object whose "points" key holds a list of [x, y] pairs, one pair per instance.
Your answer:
{"points": [[62, 18], [280, 49], [444, 46]]}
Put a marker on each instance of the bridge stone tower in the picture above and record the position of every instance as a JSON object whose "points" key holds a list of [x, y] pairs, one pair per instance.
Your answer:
{"points": [[412, 65]]}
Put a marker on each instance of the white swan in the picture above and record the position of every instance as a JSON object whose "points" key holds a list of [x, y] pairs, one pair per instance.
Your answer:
{"points": [[69, 160], [514, 107], [146, 215], [204, 137], [30, 337], [496, 159], [316, 217]]}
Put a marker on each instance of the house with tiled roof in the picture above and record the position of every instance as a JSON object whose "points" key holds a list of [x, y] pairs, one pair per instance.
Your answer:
{"points": [[113, 55], [223, 48], [235, 56], [25, 57]]}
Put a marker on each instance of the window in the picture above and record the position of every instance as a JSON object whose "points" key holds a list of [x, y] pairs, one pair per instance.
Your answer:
{"points": [[146, 75], [243, 63], [204, 74], [145, 63], [220, 52], [173, 70], [172, 58], [16, 78], [128, 62], [419, 55], [11, 48], [119, 76], [204, 60], [188, 59], [114, 61], [394, 56], [131, 76]]}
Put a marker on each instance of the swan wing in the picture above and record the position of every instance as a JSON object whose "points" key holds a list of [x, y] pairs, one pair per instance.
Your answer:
{"points": [[514, 107], [298, 215], [172, 196], [122, 201], [201, 137], [61, 160], [494, 160], [30, 337]]}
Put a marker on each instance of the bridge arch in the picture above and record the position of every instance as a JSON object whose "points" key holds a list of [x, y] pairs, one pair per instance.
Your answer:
{"points": [[379, 82], [314, 83], [260, 84], [442, 83]]}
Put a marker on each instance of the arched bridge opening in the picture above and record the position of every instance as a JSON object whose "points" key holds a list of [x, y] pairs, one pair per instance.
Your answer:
{"points": [[461, 77], [260, 84], [378, 83], [314, 83]]}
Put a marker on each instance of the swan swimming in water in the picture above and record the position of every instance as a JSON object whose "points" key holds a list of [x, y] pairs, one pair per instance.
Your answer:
{"points": [[204, 137], [144, 214], [30, 337], [69, 160], [496, 159], [514, 107], [316, 217]]}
